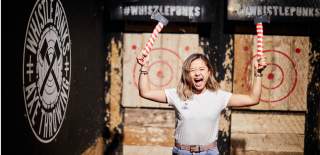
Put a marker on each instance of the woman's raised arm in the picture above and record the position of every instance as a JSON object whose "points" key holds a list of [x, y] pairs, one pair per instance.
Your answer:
{"points": [[239, 100], [144, 85]]}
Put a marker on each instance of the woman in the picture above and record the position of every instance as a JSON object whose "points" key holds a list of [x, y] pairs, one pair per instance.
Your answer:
{"points": [[198, 102]]}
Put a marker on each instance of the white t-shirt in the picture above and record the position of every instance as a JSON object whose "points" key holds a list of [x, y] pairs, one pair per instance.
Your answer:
{"points": [[197, 119]]}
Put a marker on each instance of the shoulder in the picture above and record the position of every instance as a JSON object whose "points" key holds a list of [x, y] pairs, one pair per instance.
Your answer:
{"points": [[220, 92], [171, 90], [172, 96]]}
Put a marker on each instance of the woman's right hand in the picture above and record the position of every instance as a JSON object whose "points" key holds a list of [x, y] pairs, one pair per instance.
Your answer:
{"points": [[143, 60]]}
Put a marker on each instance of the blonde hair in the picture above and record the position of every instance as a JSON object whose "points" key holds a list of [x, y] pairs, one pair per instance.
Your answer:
{"points": [[184, 88]]}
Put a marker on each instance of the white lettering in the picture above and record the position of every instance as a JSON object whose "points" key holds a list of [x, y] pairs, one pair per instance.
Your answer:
{"points": [[30, 89], [286, 11], [58, 17], [35, 112], [197, 11], [126, 11], [134, 10], [317, 12], [30, 104], [49, 115], [269, 10], [253, 11], [172, 10], [64, 95], [142, 10], [310, 12], [184, 11], [299, 11], [46, 124], [276, 9], [57, 111], [33, 37], [64, 31], [190, 10], [292, 11], [50, 125], [40, 9], [304, 11], [178, 12], [41, 120], [150, 10], [259, 11], [281, 13], [54, 120], [166, 10], [50, 8]]}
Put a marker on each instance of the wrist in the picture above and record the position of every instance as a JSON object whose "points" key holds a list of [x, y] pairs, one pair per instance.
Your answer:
{"points": [[144, 70], [258, 74]]}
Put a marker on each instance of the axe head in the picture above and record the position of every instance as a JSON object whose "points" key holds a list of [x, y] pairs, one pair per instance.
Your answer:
{"points": [[157, 16], [262, 19]]}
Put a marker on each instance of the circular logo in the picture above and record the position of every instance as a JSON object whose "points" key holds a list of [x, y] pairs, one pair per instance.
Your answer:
{"points": [[46, 69]]}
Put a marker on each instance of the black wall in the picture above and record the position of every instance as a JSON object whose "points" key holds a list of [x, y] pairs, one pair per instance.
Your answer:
{"points": [[84, 118]]}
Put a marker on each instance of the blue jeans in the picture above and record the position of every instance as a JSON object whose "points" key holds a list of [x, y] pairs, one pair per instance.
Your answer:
{"points": [[177, 151]]}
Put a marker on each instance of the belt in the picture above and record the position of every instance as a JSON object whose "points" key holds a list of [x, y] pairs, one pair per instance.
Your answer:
{"points": [[196, 148]]}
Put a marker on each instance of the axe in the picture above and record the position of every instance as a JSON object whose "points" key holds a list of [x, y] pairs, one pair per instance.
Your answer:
{"points": [[259, 28], [162, 21]]}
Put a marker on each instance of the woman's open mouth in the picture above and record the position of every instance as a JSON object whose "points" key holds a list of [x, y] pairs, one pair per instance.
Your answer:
{"points": [[198, 82]]}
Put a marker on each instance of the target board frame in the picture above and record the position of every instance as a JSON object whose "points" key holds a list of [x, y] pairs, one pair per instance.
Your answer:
{"points": [[284, 81]]}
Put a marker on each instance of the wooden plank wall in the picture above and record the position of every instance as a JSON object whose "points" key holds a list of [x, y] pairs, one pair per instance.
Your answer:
{"points": [[149, 127], [277, 124], [267, 132]]}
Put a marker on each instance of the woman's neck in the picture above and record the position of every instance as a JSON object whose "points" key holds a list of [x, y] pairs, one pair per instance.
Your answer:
{"points": [[199, 91]]}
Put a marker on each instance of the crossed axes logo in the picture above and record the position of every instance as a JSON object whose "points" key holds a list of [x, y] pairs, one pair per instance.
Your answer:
{"points": [[49, 68]]}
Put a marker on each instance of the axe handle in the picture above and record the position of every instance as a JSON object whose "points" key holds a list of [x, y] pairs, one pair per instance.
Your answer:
{"points": [[151, 41], [259, 29]]}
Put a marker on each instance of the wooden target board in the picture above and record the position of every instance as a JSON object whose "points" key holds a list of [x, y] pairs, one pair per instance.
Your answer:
{"points": [[167, 56], [285, 79]]}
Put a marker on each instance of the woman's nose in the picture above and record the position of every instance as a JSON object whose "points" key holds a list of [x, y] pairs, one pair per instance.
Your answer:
{"points": [[197, 72]]}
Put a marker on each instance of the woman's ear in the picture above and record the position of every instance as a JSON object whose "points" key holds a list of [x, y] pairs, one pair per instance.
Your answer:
{"points": [[209, 71]]}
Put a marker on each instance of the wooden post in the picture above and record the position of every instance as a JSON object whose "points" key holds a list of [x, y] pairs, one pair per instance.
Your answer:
{"points": [[114, 112], [220, 52], [312, 132]]}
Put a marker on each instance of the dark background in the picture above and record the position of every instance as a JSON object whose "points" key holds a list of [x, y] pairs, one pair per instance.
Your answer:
{"points": [[84, 118]]}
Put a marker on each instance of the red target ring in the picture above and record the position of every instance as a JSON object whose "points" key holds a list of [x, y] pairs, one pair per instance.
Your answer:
{"points": [[159, 73], [271, 75]]}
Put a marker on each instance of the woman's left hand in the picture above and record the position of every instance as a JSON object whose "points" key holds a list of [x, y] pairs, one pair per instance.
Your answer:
{"points": [[260, 64]]}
